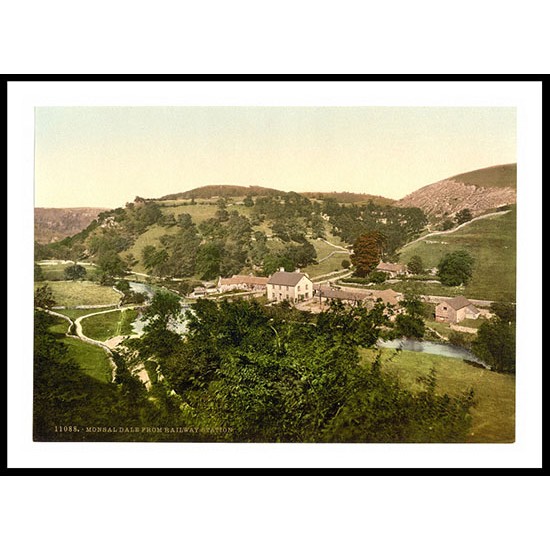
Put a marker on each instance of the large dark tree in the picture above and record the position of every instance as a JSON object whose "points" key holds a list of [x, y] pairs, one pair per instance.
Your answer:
{"points": [[463, 216], [43, 297], [416, 265], [74, 272], [367, 251], [456, 268], [410, 323]]}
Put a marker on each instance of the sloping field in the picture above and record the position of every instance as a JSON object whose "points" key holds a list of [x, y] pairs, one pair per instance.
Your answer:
{"points": [[85, 293], [493, 416], [504, 175], [491, 242], [107, 325], [150, 237]]}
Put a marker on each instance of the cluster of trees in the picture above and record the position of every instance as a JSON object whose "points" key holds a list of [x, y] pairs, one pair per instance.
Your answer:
{"points": [[398, 225], [65, 396], [416, 265], [277, 374], [495, 341], [224, 245], [447, 222], [227, 243], [456, 268], [129, 296], [410, 323], [75, 272]]}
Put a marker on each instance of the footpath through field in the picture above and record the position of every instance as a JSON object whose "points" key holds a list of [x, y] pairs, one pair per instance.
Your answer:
{"points": [[435, 233]]}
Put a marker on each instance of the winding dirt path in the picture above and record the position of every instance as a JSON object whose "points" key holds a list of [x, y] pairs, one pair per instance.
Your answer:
{"points": [[449, 231], [108, 346]]}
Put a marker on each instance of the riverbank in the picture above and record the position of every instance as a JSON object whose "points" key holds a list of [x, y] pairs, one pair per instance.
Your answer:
{"points": [[493, 413]]}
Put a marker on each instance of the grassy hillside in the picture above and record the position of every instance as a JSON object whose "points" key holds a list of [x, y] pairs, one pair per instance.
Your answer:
{"points": [[56, 272], [348, 198], [92, 359], [209, 191], [492, 243], [504, 175], [493, 416], [85, 293], [105, 326]]}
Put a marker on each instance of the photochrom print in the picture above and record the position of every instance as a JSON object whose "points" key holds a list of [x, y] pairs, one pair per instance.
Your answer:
{"points": [[275, 274]]}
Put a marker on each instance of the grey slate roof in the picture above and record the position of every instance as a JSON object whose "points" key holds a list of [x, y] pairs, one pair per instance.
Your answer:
{"points": [[459, 302], [286, 278]]}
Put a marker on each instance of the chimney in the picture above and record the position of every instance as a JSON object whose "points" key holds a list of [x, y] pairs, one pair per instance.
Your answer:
{"points": [[297, 270], [281, 269]]}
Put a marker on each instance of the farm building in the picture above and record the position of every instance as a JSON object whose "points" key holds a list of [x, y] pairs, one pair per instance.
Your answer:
{"points": [[393, 270], [242, 282], [455, 310], [292, 286], [328, 293], [390, 298]]}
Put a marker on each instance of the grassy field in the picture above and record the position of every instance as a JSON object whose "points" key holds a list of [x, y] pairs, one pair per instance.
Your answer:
{"points": [[328, 266], [56, 272], [491, 242], [107, 325], [493, 416], [472, 323], [85, 293], [199, 212], [61, 326], [150, 237], [92, 359]]}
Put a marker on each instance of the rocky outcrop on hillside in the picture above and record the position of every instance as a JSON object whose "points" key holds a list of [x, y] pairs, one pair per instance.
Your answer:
{"points": [[54, 224], [447, 197]]}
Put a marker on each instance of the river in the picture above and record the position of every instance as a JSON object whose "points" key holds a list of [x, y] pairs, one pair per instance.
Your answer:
{"points": [[435, 348], [138, 325]]}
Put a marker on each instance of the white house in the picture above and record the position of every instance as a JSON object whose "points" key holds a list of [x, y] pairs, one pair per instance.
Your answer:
{"points": [[292, 286]]}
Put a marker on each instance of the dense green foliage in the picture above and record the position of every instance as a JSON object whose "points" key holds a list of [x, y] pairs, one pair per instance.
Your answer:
{"points": [[377, 277], [65, 396], [410, 323], [463, 216], [74, 272], [38, 273], [496, 338], [492, 244], [208, 240], [416, 265], [278, 374], [43, 297], [456, 268], [398, 225]]}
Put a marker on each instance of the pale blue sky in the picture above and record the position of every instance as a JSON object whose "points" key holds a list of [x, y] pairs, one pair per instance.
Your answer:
{"points": [[105, 156]]}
